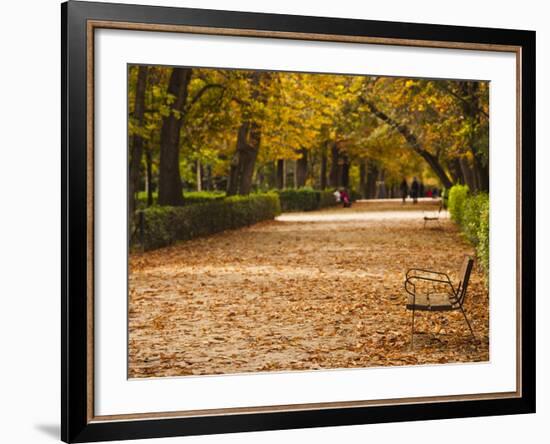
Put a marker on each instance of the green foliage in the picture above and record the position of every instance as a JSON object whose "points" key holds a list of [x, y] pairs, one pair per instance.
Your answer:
{"points": [[472, 214], [445, 198], [300, 199], [194, 197], [163, 226], [326, 198], [483, 236], [189, 198], [305, 199], [455, 204]]}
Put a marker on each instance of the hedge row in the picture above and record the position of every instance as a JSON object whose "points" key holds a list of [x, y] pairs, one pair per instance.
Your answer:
{"points": [[189, 198], [305, 199], [165, 225], [471, 213]]}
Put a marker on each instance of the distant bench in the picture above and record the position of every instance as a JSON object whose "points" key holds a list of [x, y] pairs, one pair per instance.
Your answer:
{"points": [[434, 216]]}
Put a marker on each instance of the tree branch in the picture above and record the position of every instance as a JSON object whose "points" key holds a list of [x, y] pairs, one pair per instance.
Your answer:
{"points": [[444, 88], [413, 142], [201, 92]]}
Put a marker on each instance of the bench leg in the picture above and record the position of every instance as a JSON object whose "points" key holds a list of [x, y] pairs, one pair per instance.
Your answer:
{"points": [[412, 329], [467, 322]]}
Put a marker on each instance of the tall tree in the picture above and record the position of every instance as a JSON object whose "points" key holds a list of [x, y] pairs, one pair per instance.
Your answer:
{"points": [[281, 174], [170, 187], [469, 99], [334, 175], [136, 140], [324, 164], [248, 138], [301, 168]]}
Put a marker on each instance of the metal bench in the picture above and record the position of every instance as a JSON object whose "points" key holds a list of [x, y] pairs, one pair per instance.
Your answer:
{"points": [[434, 216], [444, 297]]}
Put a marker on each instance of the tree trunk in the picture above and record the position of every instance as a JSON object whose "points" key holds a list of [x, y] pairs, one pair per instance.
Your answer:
{"points": [[437, 168], [372, 176], [334, 174], [280, 173], [468, 174], [472, 110], [242, 166], [248, 144], [198, 174], [137, 140], [324, 162], [344, 177], [456, 171], [149, 176], [381, 185], [170, 192], [209, 177], [483, 171], [363, 179], [248, 156], [233, 178], [301, 169]]}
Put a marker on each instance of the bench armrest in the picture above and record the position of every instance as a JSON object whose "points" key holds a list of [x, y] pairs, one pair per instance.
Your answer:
{"points": [[410, 281], [418, 272]]}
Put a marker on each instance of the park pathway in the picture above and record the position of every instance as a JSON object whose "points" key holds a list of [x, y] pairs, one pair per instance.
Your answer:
{"points": [[313, 290]]}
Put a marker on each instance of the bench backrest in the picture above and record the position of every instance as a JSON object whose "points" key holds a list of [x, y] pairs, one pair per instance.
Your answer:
{"points": [[465, 272]]}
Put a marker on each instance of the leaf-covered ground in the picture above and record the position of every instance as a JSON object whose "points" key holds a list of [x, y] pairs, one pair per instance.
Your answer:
{"points": [[312, 290]]}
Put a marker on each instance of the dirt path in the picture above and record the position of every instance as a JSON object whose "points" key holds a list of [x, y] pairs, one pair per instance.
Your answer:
{"points": [[308, 291]]}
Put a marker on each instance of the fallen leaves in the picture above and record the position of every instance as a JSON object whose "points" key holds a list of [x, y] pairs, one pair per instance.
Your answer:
{"points": [[298, 296]]}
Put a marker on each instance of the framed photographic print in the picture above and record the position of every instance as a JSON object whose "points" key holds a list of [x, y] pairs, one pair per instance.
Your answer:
{"points": [[276, 221]]}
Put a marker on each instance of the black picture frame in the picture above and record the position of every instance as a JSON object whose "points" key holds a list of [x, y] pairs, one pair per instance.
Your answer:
{"points": [[76, 423]]}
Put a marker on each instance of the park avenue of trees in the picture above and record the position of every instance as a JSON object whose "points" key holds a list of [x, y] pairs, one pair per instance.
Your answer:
{"points": [[242, 131]]}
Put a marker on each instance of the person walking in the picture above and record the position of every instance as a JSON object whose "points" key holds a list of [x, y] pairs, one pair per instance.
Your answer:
{"points": [[404, 187], [415, 188]]}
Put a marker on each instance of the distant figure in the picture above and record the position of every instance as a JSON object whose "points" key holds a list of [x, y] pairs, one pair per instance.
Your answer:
{"points": [[345, 198], [421, 191], [337, 196], [415, 188], [429, 193], [435, 193], [404, 187]]}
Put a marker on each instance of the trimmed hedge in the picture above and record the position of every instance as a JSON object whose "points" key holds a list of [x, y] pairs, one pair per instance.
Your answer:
{"points": [[455, 204], [326, 198], [483, 236], [195, 197], [471, 216], [300, 199], [165, 225], [189, 198], [291, 199], [305, 199], [471, 212]]}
